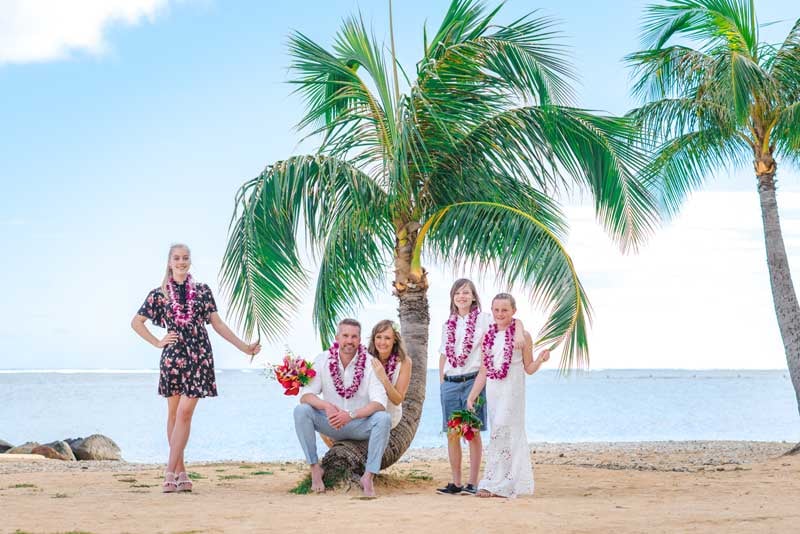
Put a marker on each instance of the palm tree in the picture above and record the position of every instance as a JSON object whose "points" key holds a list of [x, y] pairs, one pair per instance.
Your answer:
{"points": [[715, 95], [458, 168]]}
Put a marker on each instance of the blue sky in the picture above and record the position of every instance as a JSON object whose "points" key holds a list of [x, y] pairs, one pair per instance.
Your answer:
{"points": [[126, 125]]}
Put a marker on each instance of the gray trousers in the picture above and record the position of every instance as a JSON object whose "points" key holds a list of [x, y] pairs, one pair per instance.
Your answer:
{"points": [[308, 420]]}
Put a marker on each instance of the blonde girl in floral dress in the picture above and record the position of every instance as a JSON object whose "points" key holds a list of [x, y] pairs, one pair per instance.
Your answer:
{"points": [[507, 357], [183, 306]]}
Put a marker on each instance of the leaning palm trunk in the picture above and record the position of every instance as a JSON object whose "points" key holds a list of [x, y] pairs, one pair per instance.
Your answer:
{"points": [[784, 298], [350, 456]]}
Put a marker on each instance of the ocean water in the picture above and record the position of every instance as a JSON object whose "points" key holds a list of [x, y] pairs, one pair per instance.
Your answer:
{"points": [[252, 420]]}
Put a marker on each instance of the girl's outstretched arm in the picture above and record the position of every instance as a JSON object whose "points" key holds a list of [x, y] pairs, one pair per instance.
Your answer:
{"points": [[222, 329]]}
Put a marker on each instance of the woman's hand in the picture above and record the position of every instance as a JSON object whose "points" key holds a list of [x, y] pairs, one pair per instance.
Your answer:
{"points": [[543, 356], [169, 339], [471, 403], [252, 349], [380, 372]]}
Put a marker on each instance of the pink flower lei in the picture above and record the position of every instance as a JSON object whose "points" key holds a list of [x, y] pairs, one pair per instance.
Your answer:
{"points": [[333, 367], [390, 365], [469, 339], [508, 350], [182, 313]]}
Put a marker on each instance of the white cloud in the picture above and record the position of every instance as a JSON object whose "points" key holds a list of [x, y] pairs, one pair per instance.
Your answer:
{"points": [[41, 30]]}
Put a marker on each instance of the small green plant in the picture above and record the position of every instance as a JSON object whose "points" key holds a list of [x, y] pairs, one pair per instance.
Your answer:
{"points": [[232, 477], [331, 479], [263, 473], [60, 496], [247, 466], [20, 486], [129, 479], [194, 475]]}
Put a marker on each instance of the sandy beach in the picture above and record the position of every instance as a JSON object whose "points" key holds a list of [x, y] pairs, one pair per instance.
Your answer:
{"points": [[591, 487]]}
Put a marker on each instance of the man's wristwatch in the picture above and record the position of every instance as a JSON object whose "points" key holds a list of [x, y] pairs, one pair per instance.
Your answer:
{"points": [[352, 414]]}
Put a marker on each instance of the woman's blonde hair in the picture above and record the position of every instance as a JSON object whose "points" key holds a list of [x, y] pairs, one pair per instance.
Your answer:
{"points": [[168, 274], [398, 347], [458, 284]]}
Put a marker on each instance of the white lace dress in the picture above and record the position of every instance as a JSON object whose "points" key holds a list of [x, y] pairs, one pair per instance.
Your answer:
{"points": [[508, 469]]}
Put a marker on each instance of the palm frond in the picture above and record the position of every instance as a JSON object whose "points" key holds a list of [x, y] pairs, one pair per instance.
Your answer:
{"points": [[261, 269], [731, 23], [673, 71], [339, 103], [786, 133], [685, 162], [352, 267], [525, 253]]}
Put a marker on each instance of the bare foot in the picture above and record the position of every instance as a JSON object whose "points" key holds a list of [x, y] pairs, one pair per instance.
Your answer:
{"points": [[317, 485], [366, 484], [484, 493]]}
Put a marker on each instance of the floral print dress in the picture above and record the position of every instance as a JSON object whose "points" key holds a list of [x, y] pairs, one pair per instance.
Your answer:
{"points": [[187, 366]]}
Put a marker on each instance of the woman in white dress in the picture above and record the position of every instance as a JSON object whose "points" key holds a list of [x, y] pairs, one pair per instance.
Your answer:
{"points": [[391, 364], [507, 356]]}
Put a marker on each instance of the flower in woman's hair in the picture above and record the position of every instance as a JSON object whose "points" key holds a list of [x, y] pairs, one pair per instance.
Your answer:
{"points": [[396, 327]]}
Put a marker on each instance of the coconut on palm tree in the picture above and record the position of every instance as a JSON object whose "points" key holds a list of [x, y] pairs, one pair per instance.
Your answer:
{"points": [[459, 167], [715, 95]]}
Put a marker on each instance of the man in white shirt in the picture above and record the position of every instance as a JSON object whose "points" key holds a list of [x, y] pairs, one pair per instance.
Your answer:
{"points": [[352, 406]]}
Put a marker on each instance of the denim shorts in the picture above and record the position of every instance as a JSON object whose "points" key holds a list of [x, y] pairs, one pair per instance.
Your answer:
{"points": [[454, 397]]}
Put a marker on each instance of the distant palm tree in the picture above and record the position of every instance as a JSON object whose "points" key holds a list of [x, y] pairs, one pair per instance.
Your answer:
{"points": [[459, 168], [716, 95]]}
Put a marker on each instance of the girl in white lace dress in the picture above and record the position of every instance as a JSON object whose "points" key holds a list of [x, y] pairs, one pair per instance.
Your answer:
{"points": [[507, 356]]}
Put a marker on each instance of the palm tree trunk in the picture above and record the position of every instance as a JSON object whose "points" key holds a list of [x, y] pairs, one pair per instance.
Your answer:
{"points": [[348, 457], [783, 294]]}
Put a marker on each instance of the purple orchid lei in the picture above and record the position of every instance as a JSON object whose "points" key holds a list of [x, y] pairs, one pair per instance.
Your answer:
{"points": [[469, 339], [390, 365], [183, 313], [508, 350], [333, 367]]}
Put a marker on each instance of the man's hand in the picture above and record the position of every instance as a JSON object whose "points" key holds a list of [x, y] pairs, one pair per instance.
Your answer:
{"points": [[331, 410], [339, 419]]}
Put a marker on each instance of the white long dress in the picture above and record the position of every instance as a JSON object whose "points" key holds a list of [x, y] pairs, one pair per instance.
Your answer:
{"points": [[508, 458]]}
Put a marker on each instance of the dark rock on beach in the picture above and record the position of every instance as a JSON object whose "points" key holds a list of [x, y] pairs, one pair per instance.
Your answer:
{"points": [[4, 446], [47, 452], [97, 447], [25, 448], [61, 449], [74, 443]]}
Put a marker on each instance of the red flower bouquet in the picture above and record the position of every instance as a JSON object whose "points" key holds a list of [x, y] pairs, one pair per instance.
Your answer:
{"points": [[293, 373], [464, 423]]}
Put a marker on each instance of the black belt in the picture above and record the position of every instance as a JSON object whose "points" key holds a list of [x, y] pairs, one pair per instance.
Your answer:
{"points": [[460, 378]]}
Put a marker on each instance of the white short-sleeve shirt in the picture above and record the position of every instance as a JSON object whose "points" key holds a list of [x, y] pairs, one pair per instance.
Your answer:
{"points": [[370, 389], [473, 363]]}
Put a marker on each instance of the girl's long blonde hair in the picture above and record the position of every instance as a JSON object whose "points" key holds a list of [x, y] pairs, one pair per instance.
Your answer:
{"points": [[168, 274], [398, 347]]}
